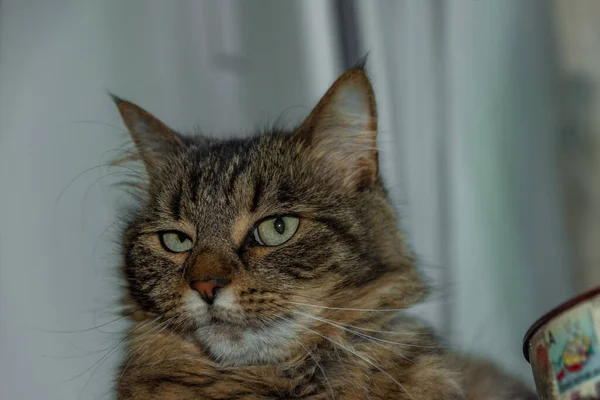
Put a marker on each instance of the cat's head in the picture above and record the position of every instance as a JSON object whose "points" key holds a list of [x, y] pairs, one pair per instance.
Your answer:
{"points": [[248, 245]]}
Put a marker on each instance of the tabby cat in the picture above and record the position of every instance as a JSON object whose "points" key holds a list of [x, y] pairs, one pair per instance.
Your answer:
{"points": [[269, 267]]}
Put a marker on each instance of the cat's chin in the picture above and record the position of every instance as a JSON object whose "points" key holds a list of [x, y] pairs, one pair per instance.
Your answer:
{"points": [[232, 340], [234, 344]]}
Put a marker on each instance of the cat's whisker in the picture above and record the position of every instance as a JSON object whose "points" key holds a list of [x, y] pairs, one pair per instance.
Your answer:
{"points": [[129, 153], [364, 335], [412, 307], [101, 361], [279, 122], [121, 130], [110, 351], [114, 307], [369, 338], [79, 175], [131, 356], [135, 353], [104, 231], [354, 353], [377, 330], [178, 330], [188, 358], [156, 329], [318, 364], [91, 186], [346, 308], [89, 329], [65, 357], [75, 356]]}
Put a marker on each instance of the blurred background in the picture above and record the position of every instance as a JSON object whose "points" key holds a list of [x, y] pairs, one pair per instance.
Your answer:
{"points": [[490, 144]]}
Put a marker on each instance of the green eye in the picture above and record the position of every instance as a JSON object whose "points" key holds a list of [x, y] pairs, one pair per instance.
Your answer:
{"points": [[276, 231], [176, 242]]}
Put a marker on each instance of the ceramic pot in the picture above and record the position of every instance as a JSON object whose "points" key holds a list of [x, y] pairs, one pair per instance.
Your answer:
{"points": [[563, 348]]}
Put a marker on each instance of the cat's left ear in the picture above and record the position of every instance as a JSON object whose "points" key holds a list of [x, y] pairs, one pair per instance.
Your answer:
{"points": [[342, 131], [152, 138]]}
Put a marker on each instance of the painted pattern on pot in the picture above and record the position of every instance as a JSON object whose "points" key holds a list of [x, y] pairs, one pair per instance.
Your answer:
{"points": [[564, 351]]}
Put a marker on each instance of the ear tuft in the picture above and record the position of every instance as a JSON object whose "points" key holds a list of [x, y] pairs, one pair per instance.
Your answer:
{"points": [[342, 131], [361, 62], [115, 98]]}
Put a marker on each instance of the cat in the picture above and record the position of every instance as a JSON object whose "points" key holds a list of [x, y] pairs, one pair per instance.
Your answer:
{"points": [[272, 267]]}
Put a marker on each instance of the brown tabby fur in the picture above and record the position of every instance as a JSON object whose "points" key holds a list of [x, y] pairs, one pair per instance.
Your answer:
{"points": [[294, 322]]}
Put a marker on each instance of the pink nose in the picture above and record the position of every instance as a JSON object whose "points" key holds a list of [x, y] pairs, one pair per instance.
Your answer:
{"points": [[208, 288]]}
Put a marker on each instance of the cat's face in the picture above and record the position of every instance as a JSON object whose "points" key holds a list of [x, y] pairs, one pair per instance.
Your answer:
{"points": [[243, 245]]}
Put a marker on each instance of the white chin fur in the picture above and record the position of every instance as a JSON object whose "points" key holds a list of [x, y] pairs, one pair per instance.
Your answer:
{"points": [[236, 345]]}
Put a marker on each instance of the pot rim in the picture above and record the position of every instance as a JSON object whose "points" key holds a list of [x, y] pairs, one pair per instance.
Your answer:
{"points": [[553, 313]]}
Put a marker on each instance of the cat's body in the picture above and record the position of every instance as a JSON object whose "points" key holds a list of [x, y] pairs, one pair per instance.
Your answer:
{"points": [[170, 367], [273, 267]]}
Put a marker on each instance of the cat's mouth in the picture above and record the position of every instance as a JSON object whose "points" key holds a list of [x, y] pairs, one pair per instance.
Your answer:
{"points": [[224, 322], [219, 318]]}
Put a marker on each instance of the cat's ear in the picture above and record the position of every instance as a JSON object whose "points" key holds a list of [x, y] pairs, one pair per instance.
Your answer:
{"points": [[342, 131], [152, 138]]}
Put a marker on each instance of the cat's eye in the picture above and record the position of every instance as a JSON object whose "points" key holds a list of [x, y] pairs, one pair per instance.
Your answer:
{"points": [[176, 242], [276, 231]]}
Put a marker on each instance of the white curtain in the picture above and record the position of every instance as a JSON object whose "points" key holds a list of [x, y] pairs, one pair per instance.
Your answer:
{"points": [[467, 90]]}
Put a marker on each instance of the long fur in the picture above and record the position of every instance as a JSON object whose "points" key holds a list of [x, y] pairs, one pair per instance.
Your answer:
{"points": [[320, 316]]}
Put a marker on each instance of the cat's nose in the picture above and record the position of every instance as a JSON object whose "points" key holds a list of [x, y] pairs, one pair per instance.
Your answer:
{"points": [[208, 288]]}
